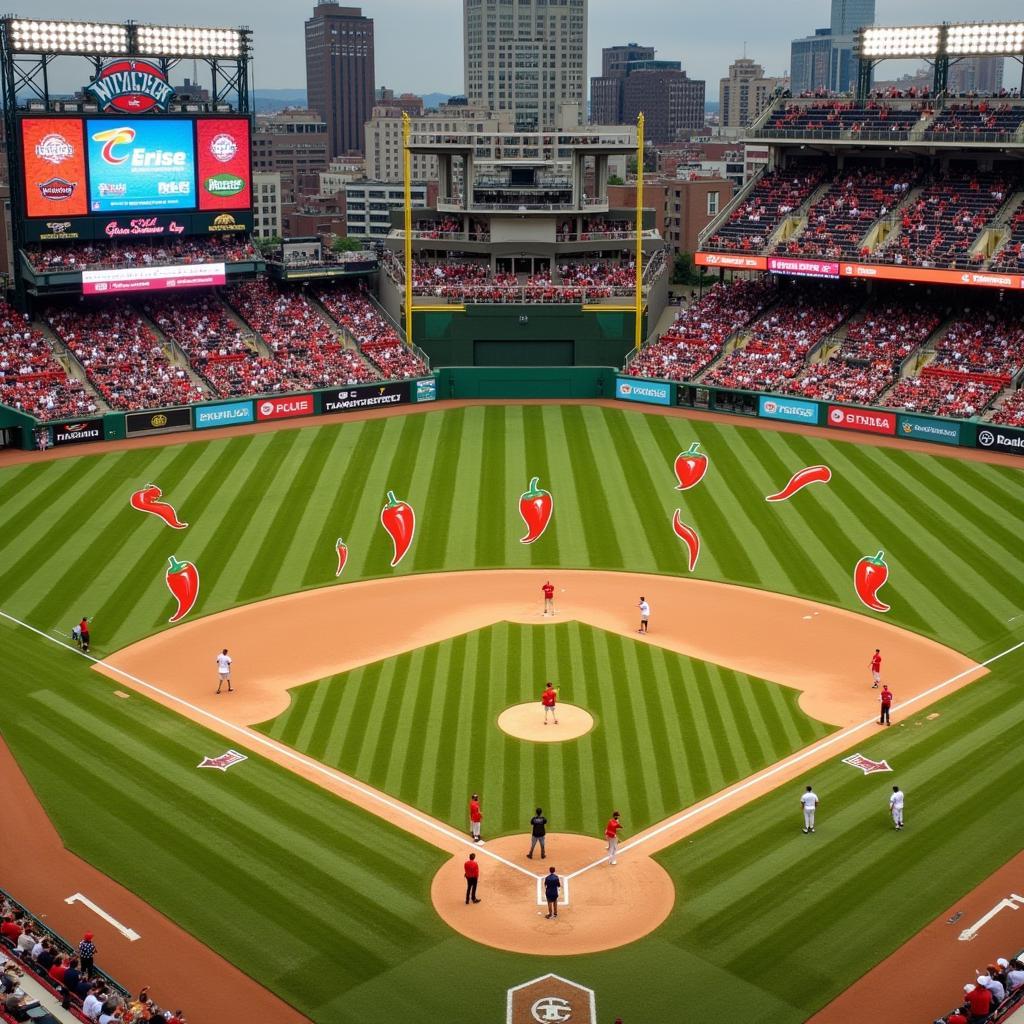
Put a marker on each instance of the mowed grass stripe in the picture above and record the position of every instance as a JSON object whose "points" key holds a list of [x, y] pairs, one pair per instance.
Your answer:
{"points": [[443, 496], [538, 456], [490, 537]]}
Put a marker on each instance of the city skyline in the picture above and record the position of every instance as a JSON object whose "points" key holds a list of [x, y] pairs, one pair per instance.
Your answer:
{"points": [[419, 47]]}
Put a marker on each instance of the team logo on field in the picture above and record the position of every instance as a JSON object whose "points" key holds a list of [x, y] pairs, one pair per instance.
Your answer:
{"points": [[866, 765], [551, 1000], [223, 762]]}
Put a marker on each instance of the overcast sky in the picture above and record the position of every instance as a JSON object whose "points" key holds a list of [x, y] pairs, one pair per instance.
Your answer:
{"points": [[419, 42]]}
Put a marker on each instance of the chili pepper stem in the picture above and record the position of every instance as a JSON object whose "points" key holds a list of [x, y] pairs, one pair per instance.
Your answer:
{"points": [[174, 565], [694, 449], [533, 490]]}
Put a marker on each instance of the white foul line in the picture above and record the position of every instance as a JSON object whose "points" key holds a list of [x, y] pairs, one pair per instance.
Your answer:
{"points": [[256, 738], [1010, 903], [781, 766], [128, 933]]}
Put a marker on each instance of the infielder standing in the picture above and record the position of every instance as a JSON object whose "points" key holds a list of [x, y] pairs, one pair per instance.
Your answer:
{"points": [[645, 614], [224, 670], [611, 833], [876, 669], [896, 806], [809, 802]]}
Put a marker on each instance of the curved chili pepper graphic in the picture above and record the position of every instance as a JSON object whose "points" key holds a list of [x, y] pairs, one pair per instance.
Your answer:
{"points": [[148, 500], [535, 506], [868, 577], [810, 475], [182, 580], [690, 467], [342, 551], [688, 535], [398, 518]]}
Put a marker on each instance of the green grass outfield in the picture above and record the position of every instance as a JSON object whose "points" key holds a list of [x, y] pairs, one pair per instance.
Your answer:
{"points": [[669, 731], [772, 922]]}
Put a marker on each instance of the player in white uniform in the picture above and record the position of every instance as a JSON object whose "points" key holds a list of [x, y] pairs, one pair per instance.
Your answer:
{"points": [[809, 802], [896, 806], [224, 670]]}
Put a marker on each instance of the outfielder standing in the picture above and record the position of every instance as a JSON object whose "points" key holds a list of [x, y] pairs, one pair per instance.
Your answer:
{"points": [[809, 802], [475, 817], [896, 806]]}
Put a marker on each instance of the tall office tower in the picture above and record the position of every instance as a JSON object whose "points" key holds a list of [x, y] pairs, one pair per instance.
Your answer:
{"points": [[525, 59], [606, 91], [669, 99], [976, 74], [744, 94], [339, 73], [847, 17]]}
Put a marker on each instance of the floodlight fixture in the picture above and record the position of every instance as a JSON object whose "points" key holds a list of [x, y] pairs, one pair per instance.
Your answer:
{"points": [[180, 41], [29, 36], [1006, 38], [904, 41]]}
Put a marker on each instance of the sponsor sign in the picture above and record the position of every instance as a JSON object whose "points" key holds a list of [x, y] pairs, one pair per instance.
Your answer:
{"points": [[131, 87], [869, 420], [141, 227], [222, 163], [802, 267], [994, 438], [426, 390], [68, 229], [632, 389], [792, 409], [80, 432], [140, 164], [223, 415], [370, 396], [730, 260], [53, 155], [921, 429], [284, 408], [550, 1000], [221, 223], [164, 421], [141, 279]]}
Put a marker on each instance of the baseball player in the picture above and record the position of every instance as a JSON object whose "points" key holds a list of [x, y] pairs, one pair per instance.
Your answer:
{"points": [[549, 598], [549, 700], [809, 802], [876, 669], [611, 833], [83, 634], [645, 614], [896, 807], [475, 817], [885, 701], [224, 670]]}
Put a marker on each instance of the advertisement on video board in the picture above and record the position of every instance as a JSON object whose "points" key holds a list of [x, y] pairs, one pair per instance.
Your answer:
{"points": [[140, 164], [224, 180], [53, 154]]}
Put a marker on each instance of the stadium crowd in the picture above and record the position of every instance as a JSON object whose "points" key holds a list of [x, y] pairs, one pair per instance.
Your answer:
{"points": [[984, 342], [981, 118], [698, 333], [1011, 413], [956, 397], [67, 971], [833, 117], [781, 340], [139, 253], [122, 357], [1010, 258], [995, 991], [299, 338], [32, 379]]}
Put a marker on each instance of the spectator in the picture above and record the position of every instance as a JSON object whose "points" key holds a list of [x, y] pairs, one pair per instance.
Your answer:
{"points": [[87, 953]]}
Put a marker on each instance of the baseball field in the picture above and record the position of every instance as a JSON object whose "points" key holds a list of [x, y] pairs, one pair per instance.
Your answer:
{"points": [[327, 866]]}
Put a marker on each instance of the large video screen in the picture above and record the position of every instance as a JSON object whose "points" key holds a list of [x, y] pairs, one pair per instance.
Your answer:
{"points": [[137, 164], [100, 166]]}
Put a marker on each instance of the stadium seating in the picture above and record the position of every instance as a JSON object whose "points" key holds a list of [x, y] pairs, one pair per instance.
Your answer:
{"points": [[838, 221], [139, 253], [122, 356], [31, 378], [299, 338], [1004, 980], [697, 335], [782, 339], [939, 228], [215, 347], [985, 343], [985, 118], [1012, 412], [831, 118], [1010, 258], [376, 337], [870, 356], [956, 397], [595, 229]]}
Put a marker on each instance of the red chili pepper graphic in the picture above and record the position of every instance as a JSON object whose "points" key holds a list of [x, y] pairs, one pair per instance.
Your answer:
{"points": [[342, 549], [868, 578], [690, 467], [398, 518], [148, 500], [535, 506], [688, 535], [811, 475], [183, 582]]}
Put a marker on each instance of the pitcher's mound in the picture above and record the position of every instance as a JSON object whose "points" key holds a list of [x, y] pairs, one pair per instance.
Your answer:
{"points": [[609, 906], [526, 722]]}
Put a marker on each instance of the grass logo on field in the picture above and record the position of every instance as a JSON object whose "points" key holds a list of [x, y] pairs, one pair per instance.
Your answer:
{"points": [[223, 761]]}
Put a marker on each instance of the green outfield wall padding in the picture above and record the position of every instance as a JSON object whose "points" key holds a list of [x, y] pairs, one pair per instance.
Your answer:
{"points": [[526, 382]]}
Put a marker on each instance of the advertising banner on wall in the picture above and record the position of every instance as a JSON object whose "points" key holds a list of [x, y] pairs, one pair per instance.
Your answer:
{"points": [[426, 390], [921, 428], [802, 267], [222, 163], [140, 164], [792, 409], [994, 438], [224, 415], [141, 279], [164, 421], [869, 420], [53, 155], [369, 396], [630, 389], [285, 407], [80, 432], [70, 229]]}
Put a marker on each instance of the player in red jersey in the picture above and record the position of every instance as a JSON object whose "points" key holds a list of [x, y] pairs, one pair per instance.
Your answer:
{"points": [[549, 598], [611, 833], [549, 699], [475, 817], [876, 668]]}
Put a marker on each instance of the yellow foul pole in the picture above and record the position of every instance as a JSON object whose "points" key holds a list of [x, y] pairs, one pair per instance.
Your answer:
{"points": [[638, 316], [407, 174]]}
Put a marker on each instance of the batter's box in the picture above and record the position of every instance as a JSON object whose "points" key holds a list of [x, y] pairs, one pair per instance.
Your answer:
{"points": [[551, 1000]]}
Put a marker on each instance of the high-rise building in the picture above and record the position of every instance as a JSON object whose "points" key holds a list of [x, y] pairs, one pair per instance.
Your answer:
{"points": [[669, 100], [825, 60], [292, 143], [810, 62], [525, 58], [982, 75], [339, 73], [744, 94], [606, 91]]}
